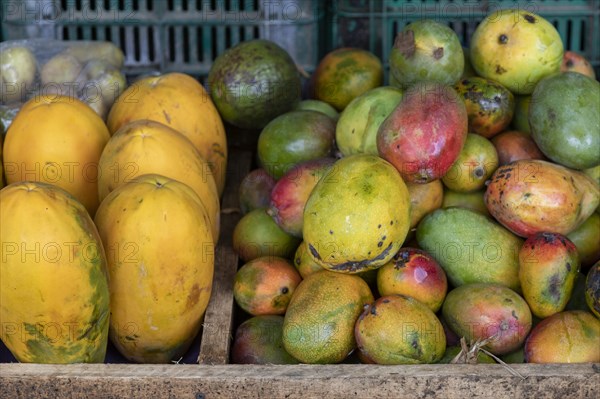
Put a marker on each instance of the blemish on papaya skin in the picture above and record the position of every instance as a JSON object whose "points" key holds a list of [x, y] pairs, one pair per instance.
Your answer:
{"points": [[500, 70], [405, 43], [503, 39], [530, 18], [438, 53], [353, 266], [314, 252]]}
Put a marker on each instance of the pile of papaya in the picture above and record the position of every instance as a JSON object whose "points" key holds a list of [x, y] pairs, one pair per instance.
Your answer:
{"points": [[454, 208]]}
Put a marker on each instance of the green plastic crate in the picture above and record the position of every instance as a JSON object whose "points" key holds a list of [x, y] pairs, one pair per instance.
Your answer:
{"points": [[373, 24], [172, 35]]}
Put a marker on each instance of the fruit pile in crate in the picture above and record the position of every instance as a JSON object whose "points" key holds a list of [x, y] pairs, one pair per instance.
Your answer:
{"points": [[449, 217]]}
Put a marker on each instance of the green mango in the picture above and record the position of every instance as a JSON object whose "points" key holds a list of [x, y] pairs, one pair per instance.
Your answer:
{"points": [[470, 247]]}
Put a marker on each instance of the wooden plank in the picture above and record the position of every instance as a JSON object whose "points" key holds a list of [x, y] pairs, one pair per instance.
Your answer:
{"points": [[300, 381], [218, 319]]}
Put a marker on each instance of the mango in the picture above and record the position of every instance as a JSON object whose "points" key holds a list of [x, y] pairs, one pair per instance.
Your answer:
{"points": [[414, 273], [255, 190], [577, 300], [473, 201], [295, 137], [259, 340], [470, 247], [587, 240], [566, 337], [476, 162], [514, 145], [424, 198], [356, 130], [516, 48], [291, 191], [548, 266], [256, 234], [367, 228], [592, 289], [320, 106], [160, 252], [520, 119], [304, 263], [319, 323], [425, 133], [344, 74], [490, 105], [575, 62], [398, 329], [564, 119], [488, 311], [265, 285], [53, 278], [531, 196], [253, 82], [426, 51], [18, 68]]}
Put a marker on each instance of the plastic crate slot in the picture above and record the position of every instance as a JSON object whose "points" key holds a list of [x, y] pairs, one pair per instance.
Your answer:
{"points": [[150, 42], [93, 33], [136, 44], [171, 40], [186, 45]]}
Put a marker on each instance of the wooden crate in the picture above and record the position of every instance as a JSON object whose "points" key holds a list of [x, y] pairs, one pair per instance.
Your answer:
{"points": [[215, 378]]}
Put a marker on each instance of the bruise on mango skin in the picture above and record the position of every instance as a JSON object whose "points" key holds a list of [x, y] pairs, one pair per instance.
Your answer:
{"points": [[355, 266]]}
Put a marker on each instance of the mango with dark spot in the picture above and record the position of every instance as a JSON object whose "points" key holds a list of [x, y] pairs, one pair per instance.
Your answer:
{"points": [[356, 130], [259, 340], [488, 311], [424, 199], [473, 201], [294, 137], [319, 323], [255, 190], [566, 337], [357, 216], [490, 105], [54, 287], [514, 145], [586, 238], [575, 62], [344, 74], [425, 133], [548, 266], [265, 285], [516, 48], [470, 247], [398, 329], [253, 83], [592, 289], [291, 192], [564, 119], [476, 162], [414, 273], [303, 261], [530, 196], [256, 234], [161, 261], [426, 51]]}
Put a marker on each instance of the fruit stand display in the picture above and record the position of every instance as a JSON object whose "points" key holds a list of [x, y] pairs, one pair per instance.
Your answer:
{"points": [[252, 216]]}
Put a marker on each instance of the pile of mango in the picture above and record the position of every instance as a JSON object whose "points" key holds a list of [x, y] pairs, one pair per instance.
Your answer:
{"points": [[108, 229], [385, 224]]}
